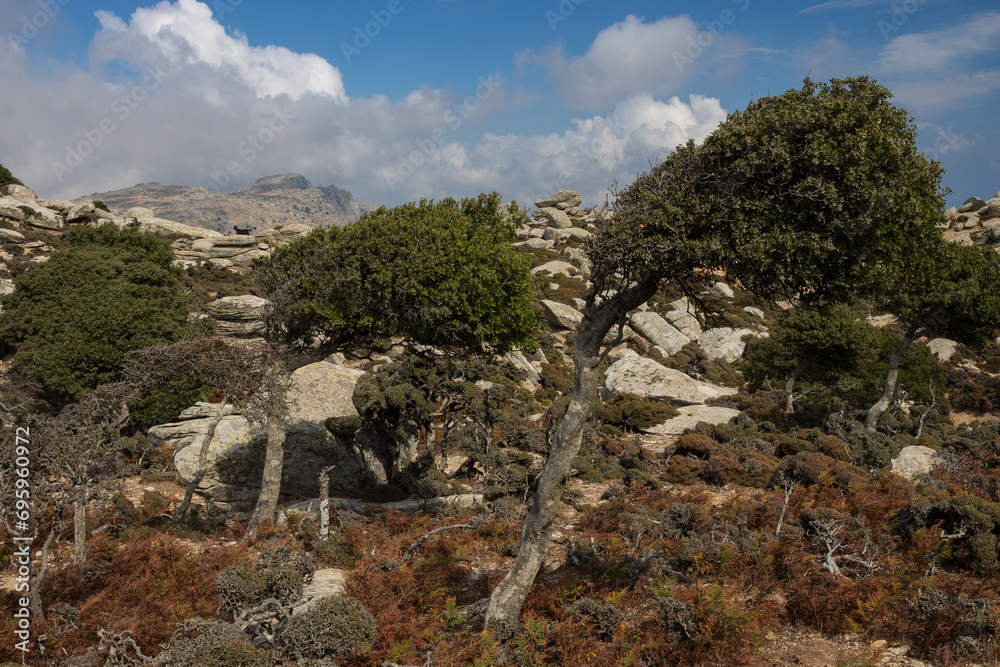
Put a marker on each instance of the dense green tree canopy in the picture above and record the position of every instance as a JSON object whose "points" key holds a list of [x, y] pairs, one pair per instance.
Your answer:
{"points": [[73, 318], [437, 273], [837, 353], [819, 193]]}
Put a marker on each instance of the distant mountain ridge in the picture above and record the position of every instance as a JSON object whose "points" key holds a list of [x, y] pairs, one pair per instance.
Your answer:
{"points": [[285, 199]]}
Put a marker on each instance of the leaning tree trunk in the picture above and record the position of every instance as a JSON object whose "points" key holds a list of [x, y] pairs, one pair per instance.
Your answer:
{"points": [[38, 576], [536, 533], [223, 410], [790, 385], [80, 525], [270, 486], [891, 378]]}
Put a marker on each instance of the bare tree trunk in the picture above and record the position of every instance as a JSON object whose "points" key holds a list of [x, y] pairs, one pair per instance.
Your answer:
{"points": [[536, 533], [324, 504], [790, 385], [223, 410], [80, 525], [270, 486], [38, 577], [891, 378]]}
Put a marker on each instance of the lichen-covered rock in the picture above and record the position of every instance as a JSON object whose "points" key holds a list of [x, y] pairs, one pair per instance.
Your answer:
{"points": [[942, 348], [682, 318], [658, 331], [692, 415], [556, 218], [318, 392], [569, 197], [562, 316], [913, 460], [648, 379], [724, 343]]}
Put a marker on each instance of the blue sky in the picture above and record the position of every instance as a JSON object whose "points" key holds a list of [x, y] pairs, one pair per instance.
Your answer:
{"points": [[401, 99]]}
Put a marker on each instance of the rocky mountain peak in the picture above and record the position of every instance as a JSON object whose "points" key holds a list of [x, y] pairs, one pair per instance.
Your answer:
{"points": [[273, 201], [279, 182]]}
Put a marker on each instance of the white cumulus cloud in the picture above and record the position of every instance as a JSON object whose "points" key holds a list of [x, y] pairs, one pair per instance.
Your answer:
{"points": [[170, 96], [633, 56], [182, 34]]}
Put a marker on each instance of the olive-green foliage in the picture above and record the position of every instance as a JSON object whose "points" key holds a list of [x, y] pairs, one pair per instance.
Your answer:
{"points": [[820, 192], [285, 556], [73, 318], [217, 644], [334, 627], [399, 400], [838, 353], [691, 360], [165, 404], [243, 586], [101, 206], [7, 178], [439, 273], [630, 413]]}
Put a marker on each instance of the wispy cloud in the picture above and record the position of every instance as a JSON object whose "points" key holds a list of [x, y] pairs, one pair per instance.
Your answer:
{"points": [[842, 4], [938, 50]]}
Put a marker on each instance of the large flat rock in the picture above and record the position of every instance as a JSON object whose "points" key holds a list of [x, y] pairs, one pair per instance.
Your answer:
{"points": [[659, 331], [562, 316], [646, 378], [691, 416], [724, 343]]}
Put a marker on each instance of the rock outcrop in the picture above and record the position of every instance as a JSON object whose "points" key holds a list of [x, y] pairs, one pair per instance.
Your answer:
{"points": [[643, 377], [318, 392]]}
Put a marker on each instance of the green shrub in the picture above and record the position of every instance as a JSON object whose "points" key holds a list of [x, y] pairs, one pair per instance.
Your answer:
{"points": [[631, 413], [7, 178], [845, 357], [73, 318], [101, 206], [334, 627]]}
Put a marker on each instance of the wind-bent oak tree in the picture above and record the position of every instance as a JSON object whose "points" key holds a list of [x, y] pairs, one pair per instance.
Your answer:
{"points": [[819, 194], [957, 293], [441, 274]]}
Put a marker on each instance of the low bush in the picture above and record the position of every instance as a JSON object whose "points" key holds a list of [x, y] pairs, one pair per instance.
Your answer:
{"points": [[214, 644], [334, 627]]}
